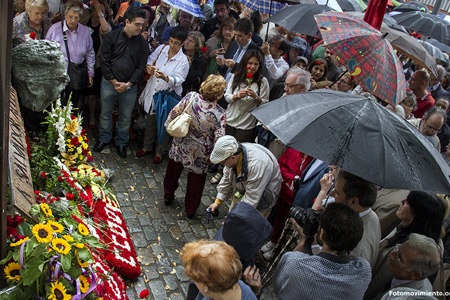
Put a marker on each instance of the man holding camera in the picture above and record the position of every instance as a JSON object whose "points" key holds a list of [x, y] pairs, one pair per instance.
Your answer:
{"points": [[251, 174], [332, 273]]}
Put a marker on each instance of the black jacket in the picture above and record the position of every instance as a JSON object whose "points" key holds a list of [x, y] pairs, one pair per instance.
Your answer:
{"points": [[229, 54]]}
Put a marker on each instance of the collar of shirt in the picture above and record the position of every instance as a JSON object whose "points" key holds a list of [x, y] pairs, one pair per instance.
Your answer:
{"points": [[367, 211], [396, 282], [334, 258], [65, 28], [434, 87], [242, 172], [246, 46]]}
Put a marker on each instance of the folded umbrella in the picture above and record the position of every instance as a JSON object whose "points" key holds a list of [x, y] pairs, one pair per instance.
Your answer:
{"points": [[299, 18], [426, 24], [366, 54], [164, 103], [358, 135]]}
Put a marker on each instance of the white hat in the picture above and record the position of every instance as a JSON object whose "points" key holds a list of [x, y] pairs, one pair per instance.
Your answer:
{"points": [[224, 148]]}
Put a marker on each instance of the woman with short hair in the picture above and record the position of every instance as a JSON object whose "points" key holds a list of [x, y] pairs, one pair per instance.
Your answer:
{"points": [[79, 43], [216, 270], [192, 151], [33, 19], [217, 45]]}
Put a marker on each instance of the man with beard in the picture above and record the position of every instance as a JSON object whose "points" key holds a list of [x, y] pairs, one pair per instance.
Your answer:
{"points": [[333, 70]]}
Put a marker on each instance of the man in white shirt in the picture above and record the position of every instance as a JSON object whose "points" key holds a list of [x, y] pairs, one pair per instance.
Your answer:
{"points": [[275, 65]]}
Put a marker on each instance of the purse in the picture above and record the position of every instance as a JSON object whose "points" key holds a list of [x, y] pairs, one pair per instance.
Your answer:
{"points": [[78, 73], [179, 126]]}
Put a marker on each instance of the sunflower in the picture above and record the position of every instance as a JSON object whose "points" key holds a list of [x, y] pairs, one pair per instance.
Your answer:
{"points": [[83, 229], [81, 262], [58, 292], [84, 284], [56, 227], [43, 233], [79, 245], [12, 271], [61, 246], [46, 209], [20, 242], [68, 238]]}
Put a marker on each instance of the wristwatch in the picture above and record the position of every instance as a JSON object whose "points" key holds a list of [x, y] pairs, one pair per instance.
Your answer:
{"points": [[166, 79], [102, 15], [128, 86]]}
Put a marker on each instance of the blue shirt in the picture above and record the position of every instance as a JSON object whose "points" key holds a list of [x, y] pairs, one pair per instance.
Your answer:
{"points": [[247, 293]]}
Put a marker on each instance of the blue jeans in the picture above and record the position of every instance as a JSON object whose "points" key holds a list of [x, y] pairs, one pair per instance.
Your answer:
{"points": [[126, 102]]}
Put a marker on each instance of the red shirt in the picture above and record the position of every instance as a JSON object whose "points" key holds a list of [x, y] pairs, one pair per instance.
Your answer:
{"points": [[423, 105]]}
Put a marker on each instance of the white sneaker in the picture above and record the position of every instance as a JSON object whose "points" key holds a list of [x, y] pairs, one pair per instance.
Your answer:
{"points": [[267, 247], [268, 255]]}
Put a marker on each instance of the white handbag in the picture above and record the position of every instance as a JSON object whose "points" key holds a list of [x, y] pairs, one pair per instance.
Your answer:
{"points": [[179, 126]]}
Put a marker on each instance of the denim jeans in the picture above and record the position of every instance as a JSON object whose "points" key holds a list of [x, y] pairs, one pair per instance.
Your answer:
{"points": [[126, 102]]}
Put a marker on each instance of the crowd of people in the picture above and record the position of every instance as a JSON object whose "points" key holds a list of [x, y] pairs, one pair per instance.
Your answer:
{"points": [[218, 68]]}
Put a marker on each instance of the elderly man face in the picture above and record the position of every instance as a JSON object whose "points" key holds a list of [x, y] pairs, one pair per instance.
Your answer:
{"points": [[185, 19], [400, 260], [431, 126], [443, 103], [291, 86]]}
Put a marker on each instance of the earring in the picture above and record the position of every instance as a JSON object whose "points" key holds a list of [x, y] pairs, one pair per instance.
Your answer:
{"points": [[205, 290]]}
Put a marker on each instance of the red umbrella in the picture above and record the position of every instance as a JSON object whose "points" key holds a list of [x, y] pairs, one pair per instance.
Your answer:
{"points": [[375, 12], [367, 55]]}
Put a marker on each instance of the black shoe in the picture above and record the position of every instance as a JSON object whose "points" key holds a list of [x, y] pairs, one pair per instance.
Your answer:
{"points": [[100, 146], [168, 201], [122, 151]]}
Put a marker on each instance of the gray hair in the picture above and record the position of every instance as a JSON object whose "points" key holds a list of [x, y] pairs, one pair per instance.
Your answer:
{"points": [[198, 38], [435, 111], [406, 293], [75, 6], [410, 100], [303, 77], [440, 72], [40, 4], [429, 256]]}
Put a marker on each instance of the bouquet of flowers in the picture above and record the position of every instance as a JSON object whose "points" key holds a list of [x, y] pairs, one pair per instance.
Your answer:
{"points": [[53, 259], [66, 137]]}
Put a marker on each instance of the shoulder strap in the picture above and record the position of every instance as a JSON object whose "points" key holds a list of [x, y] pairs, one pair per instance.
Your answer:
{"points": [[154, 63], [65, 40], [189, 105]]}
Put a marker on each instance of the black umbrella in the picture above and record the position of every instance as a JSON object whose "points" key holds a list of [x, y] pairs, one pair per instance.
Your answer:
{"points": [[439, 45], [412, 6], [426, 24], [349, 5], [299, 18], [358, 135], [433, 50]]}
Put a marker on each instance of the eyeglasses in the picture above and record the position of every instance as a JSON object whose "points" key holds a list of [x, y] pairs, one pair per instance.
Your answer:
{"points": [[428, 127], [140, 25], [344, 81], [396, 248], [177, 44], [290, 86]]}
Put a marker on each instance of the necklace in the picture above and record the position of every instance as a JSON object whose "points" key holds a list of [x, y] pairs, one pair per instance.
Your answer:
{"points": [[234, 293]]}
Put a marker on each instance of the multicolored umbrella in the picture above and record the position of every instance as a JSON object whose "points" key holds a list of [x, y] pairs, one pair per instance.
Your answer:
{"points": [[190, 6], [367, 55], [265, 6]]}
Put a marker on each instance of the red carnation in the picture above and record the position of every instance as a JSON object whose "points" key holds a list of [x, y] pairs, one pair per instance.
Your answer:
{"points": [[204, 49], [248, 68], [60, 179], [43, 175], [144, 294], [72, 117], [69, 196], [249, 75], [318, 63], [33, 35]]}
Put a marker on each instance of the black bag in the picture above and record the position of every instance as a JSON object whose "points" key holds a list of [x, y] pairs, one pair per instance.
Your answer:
{"points": [[78, 73]]}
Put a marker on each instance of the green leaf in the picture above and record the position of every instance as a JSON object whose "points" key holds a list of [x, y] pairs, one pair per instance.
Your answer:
{"points": [[85, 255], [34, 210], [31, 244], [75, 272], [7, 258], [25, 229], [16, 254], [66, 262], [35, 262], [30, 275]]}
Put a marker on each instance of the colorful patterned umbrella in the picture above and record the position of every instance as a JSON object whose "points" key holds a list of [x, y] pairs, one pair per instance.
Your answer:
{"points": [[367, 55], [190, 6], [264, 6]]}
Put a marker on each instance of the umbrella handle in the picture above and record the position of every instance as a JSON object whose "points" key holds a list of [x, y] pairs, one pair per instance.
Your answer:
{"points": [[339, 78], [270, 12]]}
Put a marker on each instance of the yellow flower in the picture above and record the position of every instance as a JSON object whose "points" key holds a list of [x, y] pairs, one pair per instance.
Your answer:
{"points": [[68, 238], [80, 139], [56, 227], [43, 233], [59, 292], [72, 126], [81, 262], [79, 245], [12, 271], [83, 229], [85, 146], [84, 284], [18, 243], [61, 246], [46, 209], [67, 159]]}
